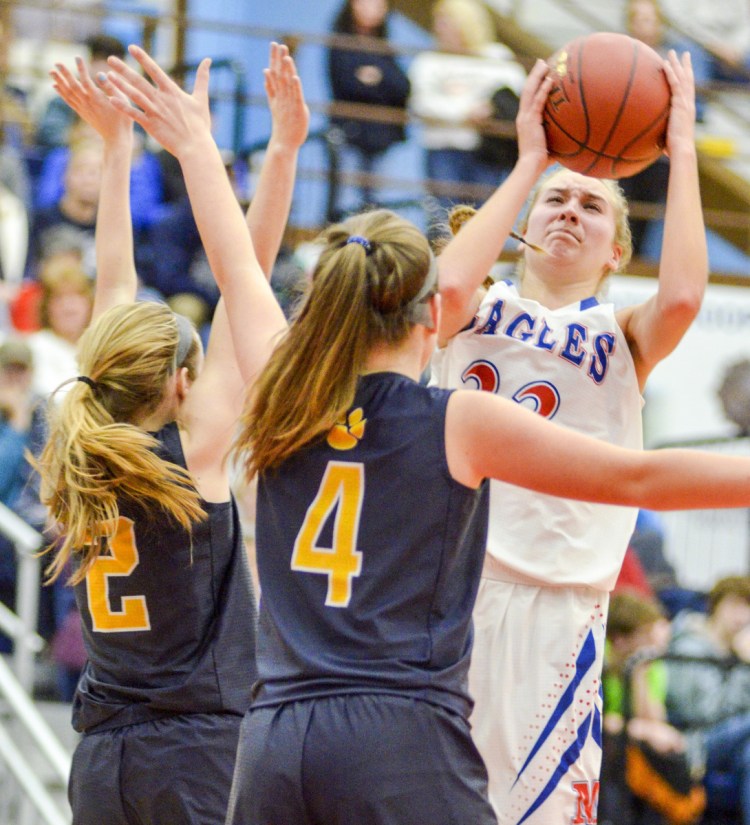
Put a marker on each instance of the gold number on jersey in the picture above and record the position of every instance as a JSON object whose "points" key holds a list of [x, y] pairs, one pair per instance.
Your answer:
{"points": [[121, 561], [342, 489]]}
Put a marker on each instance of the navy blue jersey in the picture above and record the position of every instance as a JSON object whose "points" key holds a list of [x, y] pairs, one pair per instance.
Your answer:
{"points": [[369, 555], [168, 618]]}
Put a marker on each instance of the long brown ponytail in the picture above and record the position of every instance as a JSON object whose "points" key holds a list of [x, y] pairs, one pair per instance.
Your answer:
{"points": [[371, 267]]}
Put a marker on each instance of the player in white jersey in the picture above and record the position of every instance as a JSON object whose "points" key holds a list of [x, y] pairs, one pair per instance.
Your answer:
{"points": [[551, 345]]}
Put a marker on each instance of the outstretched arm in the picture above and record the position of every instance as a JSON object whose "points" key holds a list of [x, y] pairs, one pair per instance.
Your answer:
{"points": [[653, 329], [466, 260], [268, 212], [181, 123], [116, 278], [492, 437]]}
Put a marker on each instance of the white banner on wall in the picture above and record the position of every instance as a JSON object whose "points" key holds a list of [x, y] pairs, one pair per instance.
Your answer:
{"points": [[682, 407]]}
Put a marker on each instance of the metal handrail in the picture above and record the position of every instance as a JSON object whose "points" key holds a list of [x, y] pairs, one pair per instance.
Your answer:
{"points": [[26, 777], [27, 543], [25, 710]]}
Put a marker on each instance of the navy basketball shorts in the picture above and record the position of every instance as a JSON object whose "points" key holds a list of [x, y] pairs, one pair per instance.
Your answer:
{"points": [[358, 759], [176, 770]]}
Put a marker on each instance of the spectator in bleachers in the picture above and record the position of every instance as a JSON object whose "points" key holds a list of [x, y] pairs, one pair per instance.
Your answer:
{"points": [[21, 428], [14, 176], [711, 698], [14, 241], [69, 223], [367, 77], [451, 89], [721, 32], [635, 711], [146, 184], [65, 311]]}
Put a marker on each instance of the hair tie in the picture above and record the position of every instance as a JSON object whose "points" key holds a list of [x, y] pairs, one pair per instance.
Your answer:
{"points": [[88, 381], [363, 242]]}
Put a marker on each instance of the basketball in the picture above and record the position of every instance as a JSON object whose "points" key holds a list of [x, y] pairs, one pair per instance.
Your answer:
{"points": [[606, 114]]}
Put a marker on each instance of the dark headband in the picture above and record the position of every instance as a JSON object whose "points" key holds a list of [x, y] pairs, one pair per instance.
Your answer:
{"points": [[185, 337], [417, 308]]}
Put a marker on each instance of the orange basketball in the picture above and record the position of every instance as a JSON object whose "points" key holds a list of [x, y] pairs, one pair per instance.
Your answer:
{"points": [[607, 113]]}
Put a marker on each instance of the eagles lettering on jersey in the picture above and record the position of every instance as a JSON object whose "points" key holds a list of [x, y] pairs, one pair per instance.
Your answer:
{"points": [[573, 345]]}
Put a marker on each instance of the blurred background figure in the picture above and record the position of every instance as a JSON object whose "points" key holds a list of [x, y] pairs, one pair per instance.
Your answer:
{"points": [[22, 427], [368, 76], [68, 225], [65, 307], [14, 242], [734, 394], [721, 35], [451, 91], [633, 792], [708, 694]]}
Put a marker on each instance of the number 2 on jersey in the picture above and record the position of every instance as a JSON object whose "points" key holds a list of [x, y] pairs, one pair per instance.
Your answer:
{"points": [[121, 560], [341, 490]]}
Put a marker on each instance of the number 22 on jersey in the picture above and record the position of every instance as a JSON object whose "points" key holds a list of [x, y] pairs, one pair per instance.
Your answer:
{"points": [[121, 560], [341, 491]]}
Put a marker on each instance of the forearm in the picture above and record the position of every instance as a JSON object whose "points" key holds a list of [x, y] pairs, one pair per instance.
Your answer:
{"points": [[466, 260], [254, 315], [268, 212], [683, 269], [499, 439], [116, 278]]}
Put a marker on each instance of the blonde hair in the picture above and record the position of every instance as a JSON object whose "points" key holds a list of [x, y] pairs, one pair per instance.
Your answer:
{"points": [[472, 18], [630, 11], [95, 456], [358, 297], [62, 273]]}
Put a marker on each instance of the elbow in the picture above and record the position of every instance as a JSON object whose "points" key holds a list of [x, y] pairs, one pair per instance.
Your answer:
{"points": [[454, 295], [683, 309], [451, 292], [635, 486]]}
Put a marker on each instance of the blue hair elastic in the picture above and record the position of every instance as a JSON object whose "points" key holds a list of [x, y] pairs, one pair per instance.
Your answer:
{"points": [[363, 242]]}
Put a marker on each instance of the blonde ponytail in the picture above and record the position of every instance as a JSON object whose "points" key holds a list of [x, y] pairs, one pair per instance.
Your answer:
{"points": [[95, 456]]}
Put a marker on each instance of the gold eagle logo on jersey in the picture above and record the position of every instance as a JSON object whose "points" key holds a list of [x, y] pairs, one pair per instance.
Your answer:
{"points": [[347, 433]]}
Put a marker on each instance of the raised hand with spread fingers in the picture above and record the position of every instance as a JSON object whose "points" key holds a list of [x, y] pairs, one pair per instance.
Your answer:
{"points": [[181, 123]]}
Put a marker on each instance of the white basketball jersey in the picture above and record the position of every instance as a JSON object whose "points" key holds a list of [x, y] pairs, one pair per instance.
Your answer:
{"points": [[573, 366]]}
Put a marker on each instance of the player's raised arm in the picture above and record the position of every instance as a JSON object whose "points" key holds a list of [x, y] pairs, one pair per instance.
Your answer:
{"points": [[268, 212], [466, 260], [116, 278], [655, 328], [181, 123]]}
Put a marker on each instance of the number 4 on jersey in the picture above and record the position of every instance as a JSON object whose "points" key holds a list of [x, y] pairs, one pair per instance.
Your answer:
{"points": [[341, 491]]}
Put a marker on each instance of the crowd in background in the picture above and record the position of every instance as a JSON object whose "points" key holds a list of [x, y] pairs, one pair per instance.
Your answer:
{"points": [[49, 189]]}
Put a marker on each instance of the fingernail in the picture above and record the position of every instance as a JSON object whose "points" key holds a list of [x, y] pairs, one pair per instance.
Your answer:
{"points": [[101, 77]]}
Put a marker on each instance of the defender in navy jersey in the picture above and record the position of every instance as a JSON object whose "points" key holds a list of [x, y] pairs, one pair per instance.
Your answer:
{"points": [[204, 619], [371, 518], [135, 474], [369, 594]]}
